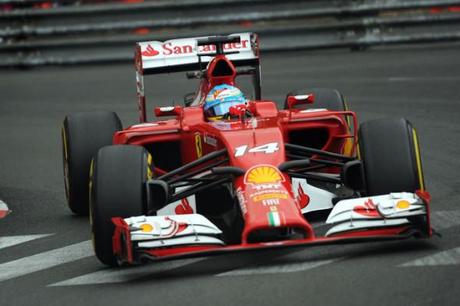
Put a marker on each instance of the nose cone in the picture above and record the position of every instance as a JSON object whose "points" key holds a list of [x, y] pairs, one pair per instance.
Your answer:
{"points": [[267, 202]]}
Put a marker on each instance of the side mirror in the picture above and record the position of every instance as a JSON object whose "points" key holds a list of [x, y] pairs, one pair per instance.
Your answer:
{"points": [[163, 111], [292, 101], [189, 98], [158, 194], [352, 175]]}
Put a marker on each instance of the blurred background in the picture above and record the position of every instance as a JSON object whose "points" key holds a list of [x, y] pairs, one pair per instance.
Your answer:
{"points": [[64, 32]]}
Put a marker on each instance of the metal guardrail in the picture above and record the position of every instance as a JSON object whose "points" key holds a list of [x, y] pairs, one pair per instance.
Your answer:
{"points": [[106, 32], [110, 7]]}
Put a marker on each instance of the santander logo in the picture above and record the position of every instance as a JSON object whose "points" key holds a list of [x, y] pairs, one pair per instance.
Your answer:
{"points": [[368, 209], [150, 51], [184, 207], [303, 199], [174, 48]]}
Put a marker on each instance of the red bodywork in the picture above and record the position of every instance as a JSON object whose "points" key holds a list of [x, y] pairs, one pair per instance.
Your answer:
{"points": [[267, 131]]}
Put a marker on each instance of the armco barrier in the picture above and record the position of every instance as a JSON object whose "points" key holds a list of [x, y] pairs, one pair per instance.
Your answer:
{"points": [[106, 32]]}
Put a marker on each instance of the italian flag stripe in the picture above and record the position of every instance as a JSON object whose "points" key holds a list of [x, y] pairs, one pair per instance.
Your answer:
{"points": [[274, 219]]}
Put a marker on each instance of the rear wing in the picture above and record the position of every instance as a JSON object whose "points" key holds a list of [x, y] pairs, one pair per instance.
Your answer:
{"points": [[178, 55]]}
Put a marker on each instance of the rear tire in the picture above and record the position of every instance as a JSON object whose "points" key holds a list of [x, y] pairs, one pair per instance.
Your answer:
{"points": [[117, 185], [83, 134], [330, 99], [391, 156]]}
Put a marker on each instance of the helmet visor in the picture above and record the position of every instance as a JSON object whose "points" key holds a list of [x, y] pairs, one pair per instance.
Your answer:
{"points": [[224, 107]]}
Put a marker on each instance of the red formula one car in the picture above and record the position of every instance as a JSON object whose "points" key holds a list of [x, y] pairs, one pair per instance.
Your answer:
{"points": [[256, 178]]}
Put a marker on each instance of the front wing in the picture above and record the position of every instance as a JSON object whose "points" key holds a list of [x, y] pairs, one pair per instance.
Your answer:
{"points": [[392, 216]]}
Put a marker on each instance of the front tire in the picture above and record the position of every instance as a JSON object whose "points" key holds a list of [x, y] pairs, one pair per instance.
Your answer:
{"points": [[83, 134], [391, 156], [117, 185]]}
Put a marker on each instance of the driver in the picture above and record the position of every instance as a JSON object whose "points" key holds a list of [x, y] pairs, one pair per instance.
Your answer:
{"points": [[220, 99]]}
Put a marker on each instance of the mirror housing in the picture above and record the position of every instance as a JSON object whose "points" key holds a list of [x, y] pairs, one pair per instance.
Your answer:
{"points": [[158, 194], [294, 100], [352, 175], [189, 98], [163, 111]]}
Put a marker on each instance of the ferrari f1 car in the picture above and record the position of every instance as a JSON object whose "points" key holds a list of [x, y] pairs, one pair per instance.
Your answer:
{"points": [[188, 186]]}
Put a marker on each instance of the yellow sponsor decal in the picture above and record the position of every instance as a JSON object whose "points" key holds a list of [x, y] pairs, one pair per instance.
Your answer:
{"points": [[403, 204], [198, 145], [146, 227], [269, 196], [263, 175]]}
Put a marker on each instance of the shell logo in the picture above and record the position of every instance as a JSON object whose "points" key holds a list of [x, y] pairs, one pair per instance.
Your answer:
{"points": [[263, 175], [146, 227], [403, 204]]}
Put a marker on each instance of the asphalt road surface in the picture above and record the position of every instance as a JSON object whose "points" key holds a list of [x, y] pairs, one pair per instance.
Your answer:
{"points": [[45, 253]]}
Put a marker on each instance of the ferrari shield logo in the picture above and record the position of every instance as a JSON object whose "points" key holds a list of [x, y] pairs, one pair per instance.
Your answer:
{"points": [[198, 145]]}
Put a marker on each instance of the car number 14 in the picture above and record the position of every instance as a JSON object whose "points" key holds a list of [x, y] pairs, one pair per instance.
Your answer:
{"points": [[268, 148]]}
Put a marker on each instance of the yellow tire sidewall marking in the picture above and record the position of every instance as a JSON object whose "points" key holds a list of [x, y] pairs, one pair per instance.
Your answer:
{"points": [[348, 147], [91, 172], [149, 166], [66, 164], [358, 151], [64, 141], [418, 160]]}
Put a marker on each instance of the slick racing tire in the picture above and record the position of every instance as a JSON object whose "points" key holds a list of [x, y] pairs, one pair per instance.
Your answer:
{"points": [[83, 134], [118, 177], [391, 156], [330, 99]]}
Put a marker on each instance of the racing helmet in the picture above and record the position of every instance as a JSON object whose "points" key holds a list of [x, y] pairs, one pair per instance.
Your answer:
{"points": [[220, 99]]}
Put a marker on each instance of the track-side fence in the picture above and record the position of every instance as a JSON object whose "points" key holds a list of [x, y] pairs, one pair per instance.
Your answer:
{"points": [[84, 32]]}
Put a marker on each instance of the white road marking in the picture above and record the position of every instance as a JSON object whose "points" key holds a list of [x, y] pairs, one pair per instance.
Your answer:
{"points": [[449, 257], [280, 268], [121, 275], [400, 79], [440, 220], [445, 219], [8, 241], [45, 260], [426, 79]]}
